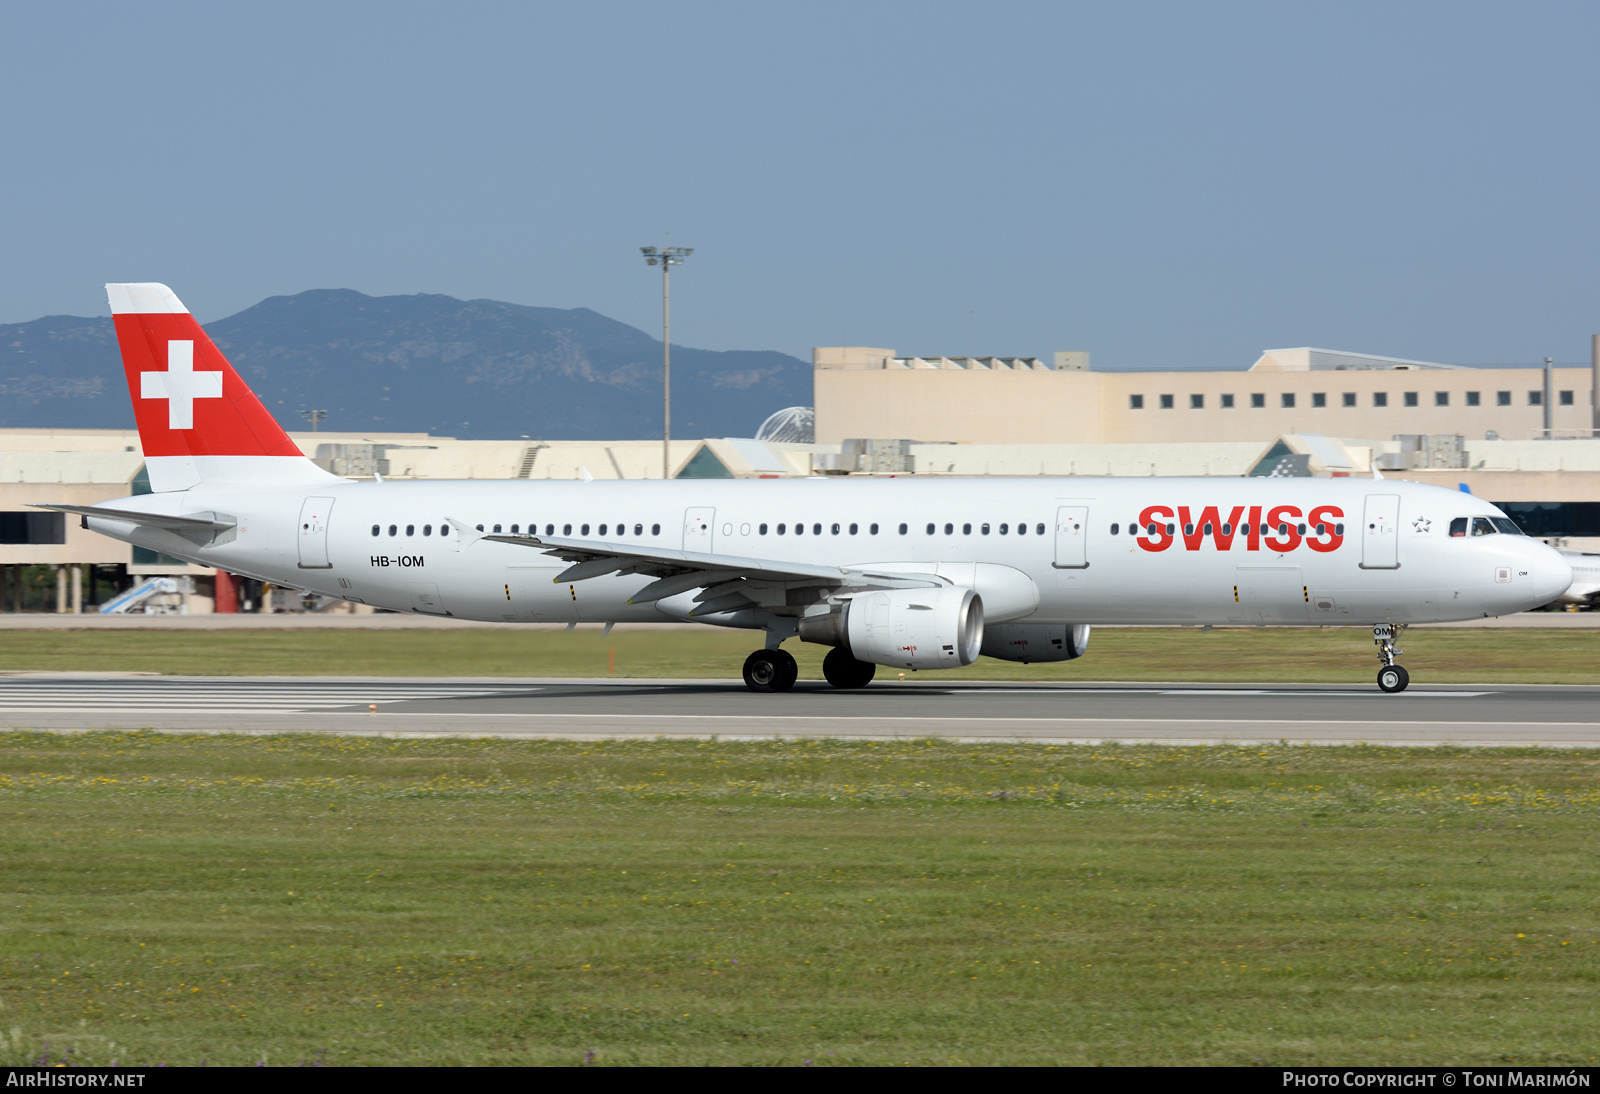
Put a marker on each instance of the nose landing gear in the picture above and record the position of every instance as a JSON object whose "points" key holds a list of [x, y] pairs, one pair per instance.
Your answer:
{"points": [[1391, 677], [770, 670]]}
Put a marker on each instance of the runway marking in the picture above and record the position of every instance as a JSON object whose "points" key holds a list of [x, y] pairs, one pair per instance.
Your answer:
{"points": [[1214, 691], [223, 697], [924, 719]]}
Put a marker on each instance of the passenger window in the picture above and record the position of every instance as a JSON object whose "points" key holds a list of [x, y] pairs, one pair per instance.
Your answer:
{"points": [[1114, 528], [1171, 528], [427, 529], [950, 529], [655, 529], [1150, 530], [1022, 529], [1483, 526], [763, 529], [1227, 529], [1322, 529], [566, 529], [549, 529], [411, 529], [903, 529], [1338, 529], [513, 529], [444, 529], [930, 529], [1283, 529], [966, 529], [1188, 529], [602, 529], [1206, 531], [835, 529], [799, 529], [1004, 529], [816, 529], [781, 528], [1300, 528], [585, 530], [374, 529], [391, 529], [854, 528], [496, 529], [638, 529], [872, 529], [984, 529]]}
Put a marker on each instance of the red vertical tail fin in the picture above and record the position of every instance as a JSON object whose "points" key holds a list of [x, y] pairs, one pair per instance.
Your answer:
{"points": [[198, 420]]}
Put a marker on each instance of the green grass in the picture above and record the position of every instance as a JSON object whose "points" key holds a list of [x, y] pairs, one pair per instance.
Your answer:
{"points": [[1324, 656], [233, 899]]}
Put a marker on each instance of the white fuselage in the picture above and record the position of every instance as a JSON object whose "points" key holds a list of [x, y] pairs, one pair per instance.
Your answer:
{"points": [[1074, 562]]}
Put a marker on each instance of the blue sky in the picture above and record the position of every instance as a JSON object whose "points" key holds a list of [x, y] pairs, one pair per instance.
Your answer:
{"points": [[1165, 185]]}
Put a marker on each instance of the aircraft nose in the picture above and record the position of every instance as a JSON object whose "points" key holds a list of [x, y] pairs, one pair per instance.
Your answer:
{"points": [[1552, 574], [1549, 574]]}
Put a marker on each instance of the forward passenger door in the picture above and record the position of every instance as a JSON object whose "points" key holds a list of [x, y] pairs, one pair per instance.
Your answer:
{"points": [[1380, 532]]}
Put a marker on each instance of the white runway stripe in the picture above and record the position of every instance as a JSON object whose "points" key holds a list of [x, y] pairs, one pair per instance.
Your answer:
{"points": [[222, 697]]}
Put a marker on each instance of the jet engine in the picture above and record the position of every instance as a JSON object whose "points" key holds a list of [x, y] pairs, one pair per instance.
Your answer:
{"points": [[905, 628], [1035, 642]]}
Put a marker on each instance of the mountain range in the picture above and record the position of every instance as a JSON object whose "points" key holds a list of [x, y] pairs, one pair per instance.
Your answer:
{"points": [[463, 368]]}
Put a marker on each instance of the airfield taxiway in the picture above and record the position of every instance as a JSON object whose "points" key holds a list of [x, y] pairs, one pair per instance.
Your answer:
{"points": [[1486, 714]]}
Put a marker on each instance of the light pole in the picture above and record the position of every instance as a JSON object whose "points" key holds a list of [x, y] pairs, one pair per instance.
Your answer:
{"points": [[666, 258], [315, 417]]}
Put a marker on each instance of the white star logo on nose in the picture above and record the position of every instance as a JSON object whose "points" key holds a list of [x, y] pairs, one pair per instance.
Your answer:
{"points": [[180, 385]]}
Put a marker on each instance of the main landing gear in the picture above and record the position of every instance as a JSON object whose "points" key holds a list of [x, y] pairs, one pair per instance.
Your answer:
{"points": [[770, 670], [1391, 677], [843, 671]]}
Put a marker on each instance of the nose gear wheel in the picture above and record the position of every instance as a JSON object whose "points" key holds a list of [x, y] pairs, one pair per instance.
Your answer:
{"points": [[1391, 677]]}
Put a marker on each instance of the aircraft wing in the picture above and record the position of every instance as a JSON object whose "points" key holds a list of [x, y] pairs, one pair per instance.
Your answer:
{"points": [[727, 582]]}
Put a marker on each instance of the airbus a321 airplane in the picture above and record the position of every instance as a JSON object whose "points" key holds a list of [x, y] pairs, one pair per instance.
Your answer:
{"points": [[908, 573]]}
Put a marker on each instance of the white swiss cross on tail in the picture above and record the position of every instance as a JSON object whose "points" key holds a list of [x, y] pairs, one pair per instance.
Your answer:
{"points": [[180, 385]]}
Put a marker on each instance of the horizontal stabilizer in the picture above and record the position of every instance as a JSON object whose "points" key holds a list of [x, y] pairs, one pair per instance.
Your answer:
{"points": [[201, 528]]}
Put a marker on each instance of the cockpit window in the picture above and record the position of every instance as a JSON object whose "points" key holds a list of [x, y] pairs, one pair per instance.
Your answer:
{"points": [[1508, 526], [1483, 526], [1458, 527]]}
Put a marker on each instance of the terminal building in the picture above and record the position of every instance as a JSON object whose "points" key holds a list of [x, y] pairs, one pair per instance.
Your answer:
{"points": [[864, 392]]}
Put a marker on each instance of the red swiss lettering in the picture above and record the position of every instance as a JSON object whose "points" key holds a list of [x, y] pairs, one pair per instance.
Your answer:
{"points": [[1147, 518], [1328, 539], [1291, 536], [1252, 534], [1194, 531]]}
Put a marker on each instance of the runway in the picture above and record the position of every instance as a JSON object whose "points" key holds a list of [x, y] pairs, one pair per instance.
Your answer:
{"points": [[1490, 714]]}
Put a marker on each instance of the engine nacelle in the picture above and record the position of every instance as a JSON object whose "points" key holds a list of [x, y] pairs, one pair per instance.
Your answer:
{"points": [[1035, 642], [905, 628]]}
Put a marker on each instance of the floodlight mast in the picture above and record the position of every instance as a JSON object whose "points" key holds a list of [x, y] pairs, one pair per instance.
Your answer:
{"points": [[666, 258]]}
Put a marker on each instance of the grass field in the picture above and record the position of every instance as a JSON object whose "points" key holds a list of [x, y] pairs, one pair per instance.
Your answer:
{"points": [[302, 898], [1323, 656]]}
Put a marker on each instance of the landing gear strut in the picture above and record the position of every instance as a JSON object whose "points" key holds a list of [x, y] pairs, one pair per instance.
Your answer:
{"points": [[1391, 677], [770, 670], [843, 671]]}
